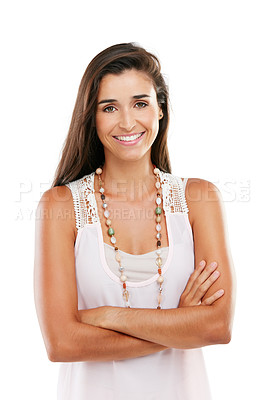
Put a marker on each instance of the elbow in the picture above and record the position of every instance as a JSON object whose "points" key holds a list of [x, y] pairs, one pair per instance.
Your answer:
{"points": [[222, 334], [220, 327], [60, 350], [225, 336], [55, 353], [59, 354], [53, 356], [61, 347]]}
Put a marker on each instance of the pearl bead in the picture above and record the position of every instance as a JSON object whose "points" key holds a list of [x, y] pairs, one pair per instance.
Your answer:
{"points": [[157, 185], [160, 279], [123, 278], [156, 171], [108, 222], [101, 190], [113, 239], [106, 213], [158, 200], [158, 236], [104, 205], [158, 227], [99, 171]]}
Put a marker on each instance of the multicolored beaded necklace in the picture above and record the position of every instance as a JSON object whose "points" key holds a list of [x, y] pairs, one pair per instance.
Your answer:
{"points": [[111, 232]]}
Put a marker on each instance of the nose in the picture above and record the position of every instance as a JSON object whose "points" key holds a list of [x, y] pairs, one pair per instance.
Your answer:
{"points": [[127, 120]]}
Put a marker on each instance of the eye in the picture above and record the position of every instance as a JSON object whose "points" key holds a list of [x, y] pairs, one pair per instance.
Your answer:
{"points": [[142, 104], [109, 108], [106, 108]]}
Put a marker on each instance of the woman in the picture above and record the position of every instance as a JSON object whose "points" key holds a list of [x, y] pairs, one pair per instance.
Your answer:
{"points": [[127, 255]]}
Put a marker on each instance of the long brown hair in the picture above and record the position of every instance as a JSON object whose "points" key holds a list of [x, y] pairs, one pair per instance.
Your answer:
{"points": [[82, 150]]}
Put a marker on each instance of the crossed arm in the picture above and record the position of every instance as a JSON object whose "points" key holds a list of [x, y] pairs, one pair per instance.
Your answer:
{"points": [[192, 324], [113, 333], [186, 326]]}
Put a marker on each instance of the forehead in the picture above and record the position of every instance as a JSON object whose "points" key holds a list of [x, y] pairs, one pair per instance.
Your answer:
{"points": [[128, 81]]}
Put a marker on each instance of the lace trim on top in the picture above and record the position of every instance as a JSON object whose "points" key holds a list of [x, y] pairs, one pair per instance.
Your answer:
{"points": [[174, 200], [85, 206]]}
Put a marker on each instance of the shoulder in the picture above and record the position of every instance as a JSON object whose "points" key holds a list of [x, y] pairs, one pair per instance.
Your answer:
{"points": [[56, 209], [203, 197], [197, 189], [55, 198], [198, 186]]}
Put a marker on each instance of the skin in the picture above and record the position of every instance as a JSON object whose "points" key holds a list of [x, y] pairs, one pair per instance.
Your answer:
{"points": [[203, 317], [127, 164]]}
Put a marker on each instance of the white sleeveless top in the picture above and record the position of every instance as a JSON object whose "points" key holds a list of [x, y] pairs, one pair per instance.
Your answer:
{"points": [[172, 374]]}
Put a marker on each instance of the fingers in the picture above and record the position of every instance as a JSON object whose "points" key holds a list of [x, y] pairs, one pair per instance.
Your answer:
{"points": [[202, 289], [198, 270], [201, 278], [213, 298], [198, 284]]}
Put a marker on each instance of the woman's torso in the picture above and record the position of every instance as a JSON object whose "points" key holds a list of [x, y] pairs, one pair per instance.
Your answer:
{"points": [[172, 373]]}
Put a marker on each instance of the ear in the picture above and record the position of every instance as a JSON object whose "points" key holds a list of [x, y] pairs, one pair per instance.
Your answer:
{"points": [[160, 113]]}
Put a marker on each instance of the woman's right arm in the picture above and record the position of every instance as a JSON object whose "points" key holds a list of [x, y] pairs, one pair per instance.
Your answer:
{"points": [[66, 338]]}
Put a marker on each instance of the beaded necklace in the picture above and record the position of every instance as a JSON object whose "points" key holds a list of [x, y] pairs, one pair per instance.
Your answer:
{"points": [[111, 232]]}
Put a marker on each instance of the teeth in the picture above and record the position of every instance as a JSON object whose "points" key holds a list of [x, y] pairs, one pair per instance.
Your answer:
{"points": [[128, 138]]}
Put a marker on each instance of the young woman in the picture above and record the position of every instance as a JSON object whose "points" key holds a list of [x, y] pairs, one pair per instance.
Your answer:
{"points": [[133, 271]]}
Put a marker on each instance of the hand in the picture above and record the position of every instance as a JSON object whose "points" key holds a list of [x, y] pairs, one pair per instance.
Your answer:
{"points": [[198, 284]]}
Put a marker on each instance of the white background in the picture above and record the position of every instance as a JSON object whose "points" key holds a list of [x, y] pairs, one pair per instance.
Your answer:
{"points": [[213, 56]]}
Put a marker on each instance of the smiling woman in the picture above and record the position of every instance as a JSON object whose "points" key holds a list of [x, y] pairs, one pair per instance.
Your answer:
{"points": [[121, 298], [126, 121]]}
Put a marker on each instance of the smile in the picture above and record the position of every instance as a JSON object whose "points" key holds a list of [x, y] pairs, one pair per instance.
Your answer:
{"points": [[129, 139]]}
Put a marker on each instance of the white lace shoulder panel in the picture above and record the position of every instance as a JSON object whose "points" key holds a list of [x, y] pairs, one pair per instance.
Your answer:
{"points": [[174, 199], [85, 206]]}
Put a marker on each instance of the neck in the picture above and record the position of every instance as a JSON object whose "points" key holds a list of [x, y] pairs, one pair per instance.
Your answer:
{"points": [[129, 181]]}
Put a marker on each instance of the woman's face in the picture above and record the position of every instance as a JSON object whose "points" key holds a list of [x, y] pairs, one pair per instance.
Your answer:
{"points": [[127, 106]]}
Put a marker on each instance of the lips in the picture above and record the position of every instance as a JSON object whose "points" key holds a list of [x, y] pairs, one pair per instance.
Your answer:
{"points": [[130, 134], [130, 142]]}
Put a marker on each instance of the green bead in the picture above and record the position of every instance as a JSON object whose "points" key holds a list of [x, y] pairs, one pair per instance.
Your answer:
{"points": [[111, 232], [158, 210]]}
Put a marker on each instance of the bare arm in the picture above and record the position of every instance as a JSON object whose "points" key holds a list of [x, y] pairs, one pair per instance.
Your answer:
{"points": [[181, 328], [66, 338], [188, 327], [89, 343]]}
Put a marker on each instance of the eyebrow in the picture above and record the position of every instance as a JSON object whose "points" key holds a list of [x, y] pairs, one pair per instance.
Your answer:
{"points": [[137, 96]]}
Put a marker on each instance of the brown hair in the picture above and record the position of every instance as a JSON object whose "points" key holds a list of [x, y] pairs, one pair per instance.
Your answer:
{"points": [[82, 150]]}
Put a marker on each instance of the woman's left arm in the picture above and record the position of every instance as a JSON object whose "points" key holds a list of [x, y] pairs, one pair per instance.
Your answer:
{"points": [[197, 326]]}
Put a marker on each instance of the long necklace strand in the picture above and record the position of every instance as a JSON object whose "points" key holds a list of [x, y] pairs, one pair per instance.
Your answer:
{"points": [[111, 232]]}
